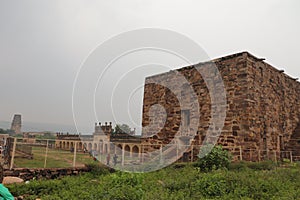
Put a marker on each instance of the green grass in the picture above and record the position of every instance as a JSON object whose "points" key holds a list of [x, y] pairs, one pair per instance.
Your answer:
{"points": [[55, 158], [58, 158], [174, 182]]}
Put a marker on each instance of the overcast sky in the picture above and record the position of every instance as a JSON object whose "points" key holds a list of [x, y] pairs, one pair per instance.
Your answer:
{"points": [[44, 43]]}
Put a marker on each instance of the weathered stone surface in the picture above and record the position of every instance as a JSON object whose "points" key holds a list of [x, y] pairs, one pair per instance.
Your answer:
{"points": [[262, 106], [10, 180]]}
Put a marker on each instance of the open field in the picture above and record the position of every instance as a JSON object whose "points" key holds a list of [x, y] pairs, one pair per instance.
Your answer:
{"points": [[55, 158]]}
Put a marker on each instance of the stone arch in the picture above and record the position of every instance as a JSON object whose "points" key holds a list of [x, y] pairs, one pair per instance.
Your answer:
{"points": [[135, 149], [72, 144], [127, 150], [60, 144], [80, 145], [89, 146], [64, 145], [119, 149], [95, 146], [68, 145]]}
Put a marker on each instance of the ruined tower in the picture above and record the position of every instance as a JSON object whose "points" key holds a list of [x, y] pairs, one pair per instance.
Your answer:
{"points": [[16, 124], [262, 113]]}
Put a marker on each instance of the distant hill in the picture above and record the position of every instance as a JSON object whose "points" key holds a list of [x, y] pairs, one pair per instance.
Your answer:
{"points": [[38, 127]]}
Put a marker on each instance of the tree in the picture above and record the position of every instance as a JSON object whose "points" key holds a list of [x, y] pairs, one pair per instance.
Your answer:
{"points": [[124, 128], [7, 131], [215, 159]]}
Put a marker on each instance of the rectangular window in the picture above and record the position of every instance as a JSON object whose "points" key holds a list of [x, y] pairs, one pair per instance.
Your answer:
{"points": [[186, 118]]}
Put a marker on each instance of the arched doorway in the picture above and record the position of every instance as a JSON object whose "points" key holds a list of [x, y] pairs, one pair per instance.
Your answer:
{"points": [[127, 150], [118, 149], [89, 146], [135, 149]]}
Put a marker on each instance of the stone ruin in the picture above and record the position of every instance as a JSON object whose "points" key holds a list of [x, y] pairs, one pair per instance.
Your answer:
{"points": [[262, 111], [16, 124]]}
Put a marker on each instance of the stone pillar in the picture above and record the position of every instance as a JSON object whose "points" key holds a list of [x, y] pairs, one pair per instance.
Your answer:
{"points": [[130, 152], [123, 154]]}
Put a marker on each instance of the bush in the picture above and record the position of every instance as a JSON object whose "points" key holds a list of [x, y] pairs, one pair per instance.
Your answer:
{"points": [[215, 159], [97, 169], [169, 183]]}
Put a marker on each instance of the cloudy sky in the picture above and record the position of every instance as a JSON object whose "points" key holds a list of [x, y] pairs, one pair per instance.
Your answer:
{"points": [[43, 44]]}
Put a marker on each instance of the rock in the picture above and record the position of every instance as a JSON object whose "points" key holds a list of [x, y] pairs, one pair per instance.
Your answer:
{"points": [[10, 180]]}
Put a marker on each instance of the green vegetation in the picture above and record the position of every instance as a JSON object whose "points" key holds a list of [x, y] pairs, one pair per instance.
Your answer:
{"points": [[124, 128], [46, 136], [217, 158], [173, 182], [7, 131]]}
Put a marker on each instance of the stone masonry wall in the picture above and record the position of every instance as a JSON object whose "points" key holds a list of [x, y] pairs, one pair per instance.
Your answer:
{"points": [[51, 173], [262, 105], [274, 101]]}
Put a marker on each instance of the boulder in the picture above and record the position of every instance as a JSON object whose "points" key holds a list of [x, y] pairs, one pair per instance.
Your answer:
{"points": [[10, 180]]}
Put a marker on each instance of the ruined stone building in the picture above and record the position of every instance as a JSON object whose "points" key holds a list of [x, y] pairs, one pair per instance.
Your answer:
{"points": [[262, 111], [16, 124], [101, 141]]}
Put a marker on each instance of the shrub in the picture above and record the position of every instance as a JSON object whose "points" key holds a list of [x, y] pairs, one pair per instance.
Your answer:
{"points": [[215, 159], [97, 169], [168, 183], [212, 185]]}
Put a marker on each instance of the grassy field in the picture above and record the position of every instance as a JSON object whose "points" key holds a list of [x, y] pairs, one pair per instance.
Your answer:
{"points": [[240, 181], [55, 158], [58, 158]]}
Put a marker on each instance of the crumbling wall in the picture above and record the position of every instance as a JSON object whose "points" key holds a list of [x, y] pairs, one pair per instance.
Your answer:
{"points": [[44, 173]]}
